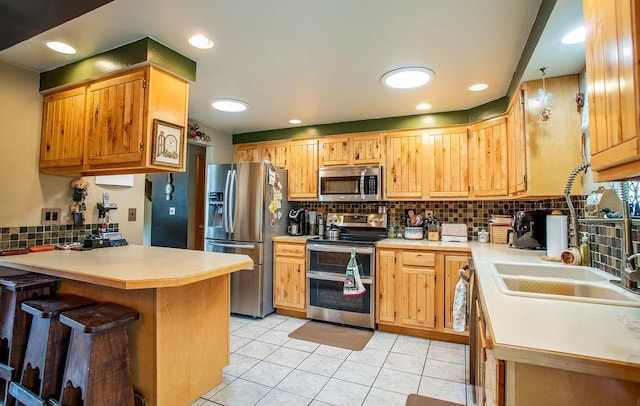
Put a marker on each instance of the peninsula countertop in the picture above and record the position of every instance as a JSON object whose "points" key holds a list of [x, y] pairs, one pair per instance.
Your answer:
{"points": [[131, 266]]}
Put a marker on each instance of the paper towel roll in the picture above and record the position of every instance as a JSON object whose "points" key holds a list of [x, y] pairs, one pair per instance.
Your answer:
{"points": [[557, 236]]}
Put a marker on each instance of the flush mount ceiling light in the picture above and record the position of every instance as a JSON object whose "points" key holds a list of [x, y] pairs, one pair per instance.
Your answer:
{"points": [[200, 41], [295, 121], [407, 78], [423, 106], [574, 36], [478, 87], [61, 47], [229, 105]]}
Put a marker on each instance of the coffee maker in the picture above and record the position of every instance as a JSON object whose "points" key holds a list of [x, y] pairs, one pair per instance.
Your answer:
{"points": [[530, 229], [297, 221]]}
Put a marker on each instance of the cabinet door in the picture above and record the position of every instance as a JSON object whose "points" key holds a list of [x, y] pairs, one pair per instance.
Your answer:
{"points": [[303, 170], [62, 142], [334, 151], [489, 158], [448, 162], [403, 167], [452, 265], [276, 153], [367, 149], [417, 289], [516, 144], [289, 283], [116, 119], [611, 50], [245, 153], [386, 286]]}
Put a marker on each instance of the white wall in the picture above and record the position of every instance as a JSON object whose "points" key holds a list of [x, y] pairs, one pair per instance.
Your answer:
{"points": [[23, 190]]}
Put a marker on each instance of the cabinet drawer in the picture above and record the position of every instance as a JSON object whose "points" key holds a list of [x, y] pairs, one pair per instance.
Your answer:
{"points": [[419, 259], [292, 250]]}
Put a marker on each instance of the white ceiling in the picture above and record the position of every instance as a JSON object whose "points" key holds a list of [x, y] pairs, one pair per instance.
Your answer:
{"points": [[321, 61]]}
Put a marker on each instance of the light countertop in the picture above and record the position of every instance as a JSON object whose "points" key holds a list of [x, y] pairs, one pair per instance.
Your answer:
{"points": [[132, 266], [563, 334]]}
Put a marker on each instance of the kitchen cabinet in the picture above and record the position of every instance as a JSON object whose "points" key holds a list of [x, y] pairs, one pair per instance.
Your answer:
{"points": [[516, 143], [246, 153], [611, 53], [276, 152], [406, 288], [403, 165], [488, 146], [334, 151], [447, 166], [62, 144], [452, 264], [118, 116], [289, 276], [356, 149], [303, 170]]}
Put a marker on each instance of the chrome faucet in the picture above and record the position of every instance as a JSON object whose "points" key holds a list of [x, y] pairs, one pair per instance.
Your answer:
{"points": [[629, 276]]}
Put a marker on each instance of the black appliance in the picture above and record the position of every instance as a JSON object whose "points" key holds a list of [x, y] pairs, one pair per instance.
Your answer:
{"points": [[327, 260], [530, 229], [297, 222]]}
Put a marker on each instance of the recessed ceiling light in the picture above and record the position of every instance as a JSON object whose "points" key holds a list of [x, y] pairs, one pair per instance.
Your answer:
{"points": [[200, 41], [407, 78], [423, 106], [61, 47], [574, 36], [478, 86], [229, 105], [295, 121]]}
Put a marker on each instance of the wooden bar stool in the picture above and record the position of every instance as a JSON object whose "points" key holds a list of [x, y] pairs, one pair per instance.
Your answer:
{"points": [[15, 324], [46, 352], [98, 372]]}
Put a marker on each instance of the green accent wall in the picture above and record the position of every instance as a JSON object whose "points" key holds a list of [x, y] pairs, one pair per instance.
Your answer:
{"points": [[145, 50]]}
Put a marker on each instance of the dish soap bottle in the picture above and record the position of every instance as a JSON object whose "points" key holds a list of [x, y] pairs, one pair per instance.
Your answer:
{"points": [[585, 250]]}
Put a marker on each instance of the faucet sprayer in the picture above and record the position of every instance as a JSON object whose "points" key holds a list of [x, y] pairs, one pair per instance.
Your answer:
{"points": [[567, 191]]}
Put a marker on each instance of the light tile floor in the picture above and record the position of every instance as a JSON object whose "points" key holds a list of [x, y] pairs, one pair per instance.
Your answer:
{"points": [[269, 368]]}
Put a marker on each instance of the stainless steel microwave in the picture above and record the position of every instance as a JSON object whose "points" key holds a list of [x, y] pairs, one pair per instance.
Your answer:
{"points": [[350, 184]]}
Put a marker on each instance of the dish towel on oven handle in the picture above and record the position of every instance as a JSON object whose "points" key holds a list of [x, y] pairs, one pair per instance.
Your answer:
{"points": [[352, 283], [460, 304]]}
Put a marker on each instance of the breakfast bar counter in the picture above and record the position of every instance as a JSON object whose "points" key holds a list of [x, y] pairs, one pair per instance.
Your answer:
{"points": [[180, 343]]}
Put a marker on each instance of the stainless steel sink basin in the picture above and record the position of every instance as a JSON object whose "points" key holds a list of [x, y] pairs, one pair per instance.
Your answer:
{"points": [[572, 283], [577, 273]]}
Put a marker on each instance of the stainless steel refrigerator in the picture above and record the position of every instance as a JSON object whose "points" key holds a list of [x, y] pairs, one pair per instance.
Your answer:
{"points": [[247, 206]]}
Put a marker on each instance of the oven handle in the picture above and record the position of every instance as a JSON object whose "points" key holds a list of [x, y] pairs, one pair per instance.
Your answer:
{"points": [[339, 248], [326, 276]]}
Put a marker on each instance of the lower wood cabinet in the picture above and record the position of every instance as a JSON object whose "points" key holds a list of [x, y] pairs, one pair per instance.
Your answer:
{"points": [[289, 276], [415, 289]]}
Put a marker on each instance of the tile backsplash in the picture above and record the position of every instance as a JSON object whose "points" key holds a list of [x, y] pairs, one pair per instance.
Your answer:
{"points": [[29, 236]]}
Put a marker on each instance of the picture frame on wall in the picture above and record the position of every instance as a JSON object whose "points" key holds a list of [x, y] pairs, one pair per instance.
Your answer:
{"points": [[167, 144]]}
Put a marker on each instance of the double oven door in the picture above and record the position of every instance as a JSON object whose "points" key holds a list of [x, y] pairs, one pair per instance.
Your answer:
{"points": [[326, 268]]}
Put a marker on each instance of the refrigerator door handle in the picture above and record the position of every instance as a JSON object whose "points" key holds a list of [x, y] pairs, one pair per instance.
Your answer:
{"points": [[232, 200], [223, 245], [225, 217]]}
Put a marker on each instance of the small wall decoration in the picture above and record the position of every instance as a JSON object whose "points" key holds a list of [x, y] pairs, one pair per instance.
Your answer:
{"points": [[196, 134], [167, 144]]}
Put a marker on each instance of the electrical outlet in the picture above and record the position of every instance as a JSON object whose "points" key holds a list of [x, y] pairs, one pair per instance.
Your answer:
{"points": [[172, 211], [132, 214]]}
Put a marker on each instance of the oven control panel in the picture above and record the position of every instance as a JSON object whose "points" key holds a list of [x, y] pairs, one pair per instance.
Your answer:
{"points": [[376, 220]]}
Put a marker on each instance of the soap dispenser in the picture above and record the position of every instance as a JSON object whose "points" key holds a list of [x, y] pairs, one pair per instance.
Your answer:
{"points": [[585, 250]]}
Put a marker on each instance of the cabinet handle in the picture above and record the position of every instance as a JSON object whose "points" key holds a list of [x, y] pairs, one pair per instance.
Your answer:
{"points": [[141, 146]]}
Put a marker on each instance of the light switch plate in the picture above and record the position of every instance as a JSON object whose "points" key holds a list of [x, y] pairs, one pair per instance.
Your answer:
{"points": [[132, 214]]}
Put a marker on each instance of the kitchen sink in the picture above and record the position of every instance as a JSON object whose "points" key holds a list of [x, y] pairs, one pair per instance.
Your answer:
{"points": [[572, 283], [577, 273]]}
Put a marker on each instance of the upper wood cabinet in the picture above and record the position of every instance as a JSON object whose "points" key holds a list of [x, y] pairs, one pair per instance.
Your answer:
{"points": [[447, 162], [489, 173], [611, 49], [361, 149], [62, 144], [111, 120], [246, 153], [303, 170], [276, 152], [403, 165], [516, 144]]}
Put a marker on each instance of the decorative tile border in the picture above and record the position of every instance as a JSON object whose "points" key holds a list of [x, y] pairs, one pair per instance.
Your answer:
{"points": [[29, 236]]}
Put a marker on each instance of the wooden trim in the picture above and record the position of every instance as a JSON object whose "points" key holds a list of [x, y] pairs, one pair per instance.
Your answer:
{"points": [[292, 313], [429, 334]]}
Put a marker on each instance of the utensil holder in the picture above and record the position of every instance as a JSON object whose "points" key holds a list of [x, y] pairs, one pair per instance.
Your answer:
{"points": [[433, 236], [413, 233]]}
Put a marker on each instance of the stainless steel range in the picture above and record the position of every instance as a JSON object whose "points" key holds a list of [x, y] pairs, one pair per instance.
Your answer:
{"points": [[327, 261]]}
